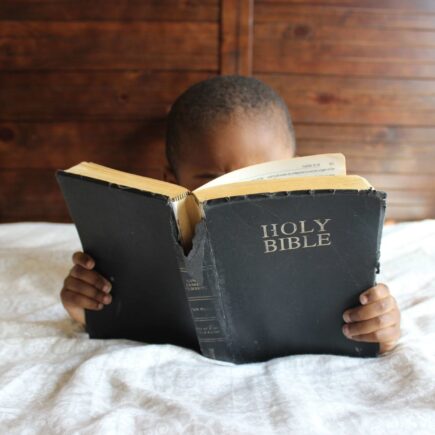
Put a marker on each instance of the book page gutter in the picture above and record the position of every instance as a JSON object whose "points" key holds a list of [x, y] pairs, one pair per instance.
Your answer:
{"points": [[309, 166]]}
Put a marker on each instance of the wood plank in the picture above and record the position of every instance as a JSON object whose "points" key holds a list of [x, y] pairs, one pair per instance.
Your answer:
{"points": [[342, 16], [383, 149], [350, 100], [115, 45], [367, 134], [306, 47], [360, 150], [106, 10], [408, 5], [236, 36], [134, 144], [106, 95], [136, 95]]}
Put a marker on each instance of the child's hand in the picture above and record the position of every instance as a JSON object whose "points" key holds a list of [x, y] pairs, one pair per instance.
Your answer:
{"points": [[376, 320], [84, 288]]}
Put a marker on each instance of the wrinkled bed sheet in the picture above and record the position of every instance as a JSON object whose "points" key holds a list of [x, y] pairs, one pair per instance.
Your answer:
{"points": [[54, 379]]}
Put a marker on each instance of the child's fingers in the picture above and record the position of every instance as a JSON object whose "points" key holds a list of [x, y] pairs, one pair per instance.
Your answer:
{"points": [[91, 277], [77, 286], [367, 326], [373, 294], [83, 259], [78, 300], [374, 309], [388, 334]]}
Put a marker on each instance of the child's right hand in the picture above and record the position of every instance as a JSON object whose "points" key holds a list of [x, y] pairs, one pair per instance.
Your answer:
{"points": [[84, 288]]}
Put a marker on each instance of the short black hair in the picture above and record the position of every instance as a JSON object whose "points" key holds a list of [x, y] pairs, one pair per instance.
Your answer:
{"points": [[211, 100]]}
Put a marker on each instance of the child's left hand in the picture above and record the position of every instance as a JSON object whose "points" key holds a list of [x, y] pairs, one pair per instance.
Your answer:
{"points": [[376, 320]]}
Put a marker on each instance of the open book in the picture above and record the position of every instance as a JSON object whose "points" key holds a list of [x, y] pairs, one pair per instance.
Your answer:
{"points": [[258, 263]]}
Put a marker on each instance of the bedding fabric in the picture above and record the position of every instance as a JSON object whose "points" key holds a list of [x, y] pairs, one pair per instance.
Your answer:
{"points": [[54, 379]]}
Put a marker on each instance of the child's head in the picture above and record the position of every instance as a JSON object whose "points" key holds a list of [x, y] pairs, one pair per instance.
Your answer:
{"points": [[225, 123]]}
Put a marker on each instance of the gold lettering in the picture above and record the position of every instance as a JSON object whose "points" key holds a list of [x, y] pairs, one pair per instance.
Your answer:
{"points": [[306, 245], [321, 225], [273, 230], [303, 231], [324, 236], [285, 232], [270, 246]]}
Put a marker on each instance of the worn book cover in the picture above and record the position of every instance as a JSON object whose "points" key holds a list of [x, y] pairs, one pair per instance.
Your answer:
{"points": [[258, 265]]}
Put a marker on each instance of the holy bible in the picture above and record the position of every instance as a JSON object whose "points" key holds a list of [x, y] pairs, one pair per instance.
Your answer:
{"points": [[256, 264]]}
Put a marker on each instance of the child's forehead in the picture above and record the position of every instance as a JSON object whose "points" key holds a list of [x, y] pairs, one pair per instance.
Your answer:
{"points": [[240, 141]]}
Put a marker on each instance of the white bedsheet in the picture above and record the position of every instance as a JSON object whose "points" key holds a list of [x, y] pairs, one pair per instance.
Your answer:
{"points": [[54, 379]]}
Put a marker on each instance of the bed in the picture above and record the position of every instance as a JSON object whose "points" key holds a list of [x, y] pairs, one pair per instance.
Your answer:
{"points": [[54, 379]]}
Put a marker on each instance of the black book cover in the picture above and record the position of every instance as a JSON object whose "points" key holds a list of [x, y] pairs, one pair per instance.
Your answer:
{"points": [[268, 275], [285, 268], [130, 234]]}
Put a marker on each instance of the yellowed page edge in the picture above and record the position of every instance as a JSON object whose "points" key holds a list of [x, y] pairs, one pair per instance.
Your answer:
{"points": [[104, 173], [284, 185]]}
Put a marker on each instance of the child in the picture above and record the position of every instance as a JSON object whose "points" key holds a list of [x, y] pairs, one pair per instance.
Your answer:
{"points": [[214, 127]]}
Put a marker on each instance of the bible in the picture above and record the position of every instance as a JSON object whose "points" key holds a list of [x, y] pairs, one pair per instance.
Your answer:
{"points": [[256, 264]]}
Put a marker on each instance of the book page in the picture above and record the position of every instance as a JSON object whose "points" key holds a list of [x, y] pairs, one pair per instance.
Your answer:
{"points": [[308, 166]]}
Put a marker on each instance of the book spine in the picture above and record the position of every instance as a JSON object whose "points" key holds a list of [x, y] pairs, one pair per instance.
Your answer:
{"points": [[199, 276], [383, 204]]}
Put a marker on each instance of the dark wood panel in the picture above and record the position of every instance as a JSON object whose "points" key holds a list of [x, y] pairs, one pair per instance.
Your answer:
{"points": [[113, 45], [95, 95], [135, 144], [367, 134], [342, 16], [408, 5], [138, 94], [105, 10], [306, 47], [380, 151], [314, 99], [236, 37]]}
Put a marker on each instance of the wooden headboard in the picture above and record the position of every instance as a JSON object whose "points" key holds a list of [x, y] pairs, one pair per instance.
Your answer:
{"points": [[94, 81]]}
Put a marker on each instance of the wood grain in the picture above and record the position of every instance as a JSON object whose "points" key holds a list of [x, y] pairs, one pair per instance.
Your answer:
{"points": [[236, 37], [108, 95], [319, 14], [407, 5], [350, 100], [133, 144], [341, 57], [108, 45], [110, 10]]}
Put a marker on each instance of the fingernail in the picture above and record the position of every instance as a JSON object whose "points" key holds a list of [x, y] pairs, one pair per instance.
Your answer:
{"points": [[346, 330], [100, 306], [363, 299], [107, 299], [89, 263], [346, 317], [107, 287]]}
